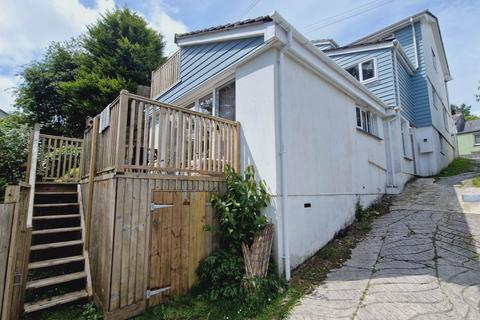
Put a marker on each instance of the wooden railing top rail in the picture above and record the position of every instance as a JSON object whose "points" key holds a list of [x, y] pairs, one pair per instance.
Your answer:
{"points": [[32, 174], [61, 138], [167, 75]]}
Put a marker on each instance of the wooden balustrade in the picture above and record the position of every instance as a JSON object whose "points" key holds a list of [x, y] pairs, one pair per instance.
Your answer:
{"points": [[59, 158], [146, 136], [165, 76]]}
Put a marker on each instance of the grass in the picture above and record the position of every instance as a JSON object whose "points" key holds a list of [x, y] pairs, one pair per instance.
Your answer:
{"points": [[304, 279], [476, 182], [457, 166]]}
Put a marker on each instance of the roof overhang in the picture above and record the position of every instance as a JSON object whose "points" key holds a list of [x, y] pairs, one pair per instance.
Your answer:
{"points": [[425, 16]]}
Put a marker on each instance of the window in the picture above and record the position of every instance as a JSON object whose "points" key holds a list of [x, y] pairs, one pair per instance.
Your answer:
{"points": [[366, 121], [220, 102], [205, 104], [434, 98], [442, 147], [226, 101], [477, 139], [434, 60], [406, 141], [365, 71], [445, 120]]}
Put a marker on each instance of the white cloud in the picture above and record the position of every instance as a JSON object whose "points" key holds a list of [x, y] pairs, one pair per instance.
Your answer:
{"points": [[7, 83]]}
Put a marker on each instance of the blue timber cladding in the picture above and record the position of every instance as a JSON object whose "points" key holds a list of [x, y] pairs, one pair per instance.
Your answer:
{"points": [[200, 63], [418, 84], [384, 87], [405, 88]]}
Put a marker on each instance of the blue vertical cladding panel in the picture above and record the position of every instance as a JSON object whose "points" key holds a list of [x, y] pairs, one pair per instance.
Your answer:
{"points": [[200, 63], [384, 87], [406, 98], [418, 84]]}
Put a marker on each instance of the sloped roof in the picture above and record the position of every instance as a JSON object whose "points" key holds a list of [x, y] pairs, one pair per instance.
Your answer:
{"points": [[227, 26], [471, 125], [363, 44]]}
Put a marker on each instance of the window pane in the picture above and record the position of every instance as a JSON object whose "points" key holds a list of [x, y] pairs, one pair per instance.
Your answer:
{"points": [[205, 104], [364, 121], [354, 71], [226, 101], [477, 139], [359, 118], [368, 70], [191, 106]]}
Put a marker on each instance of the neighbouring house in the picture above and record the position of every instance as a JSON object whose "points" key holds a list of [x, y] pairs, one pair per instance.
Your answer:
{"points": [[325, 129], [468, 138]]}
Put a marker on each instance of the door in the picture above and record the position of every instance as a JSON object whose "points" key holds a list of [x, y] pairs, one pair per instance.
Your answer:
{"points": [[178, 241]]}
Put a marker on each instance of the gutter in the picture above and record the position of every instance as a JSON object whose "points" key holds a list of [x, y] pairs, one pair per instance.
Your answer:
{"points": [[414, 42]]}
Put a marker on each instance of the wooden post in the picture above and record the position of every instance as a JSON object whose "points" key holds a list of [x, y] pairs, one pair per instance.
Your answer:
{"points": [[91, 182], [121, 131], [236, 156]]}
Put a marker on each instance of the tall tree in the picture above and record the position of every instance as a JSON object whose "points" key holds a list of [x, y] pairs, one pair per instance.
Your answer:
{"points": [[79, 78], [39, 94], [466, 110], [120, 53]]}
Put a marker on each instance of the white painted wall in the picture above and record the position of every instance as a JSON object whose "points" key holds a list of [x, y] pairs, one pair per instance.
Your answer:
{"points": [[329, 162]]}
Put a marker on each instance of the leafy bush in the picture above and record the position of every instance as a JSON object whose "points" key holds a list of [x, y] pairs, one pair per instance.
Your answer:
{"points": [[90, 312], [14, 141], [239, 209], [457, 166]]}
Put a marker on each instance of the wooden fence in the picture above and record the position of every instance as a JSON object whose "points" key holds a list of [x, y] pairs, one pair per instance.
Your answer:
{"points": [[59, 158], [166, 76], [146, 136]]}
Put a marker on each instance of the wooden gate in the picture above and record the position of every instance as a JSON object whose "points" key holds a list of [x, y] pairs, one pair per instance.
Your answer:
{"points": [[178, 241]]}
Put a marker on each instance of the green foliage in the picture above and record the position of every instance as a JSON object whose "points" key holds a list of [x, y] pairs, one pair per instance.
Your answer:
{"points": [[79, 78], [239, 209], [476, 182], [457, 166], [14, 142], [465, 110], [90, 312]]}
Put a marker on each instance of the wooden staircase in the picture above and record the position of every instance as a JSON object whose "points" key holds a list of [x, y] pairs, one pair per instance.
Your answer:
{"points": [[58, 271]]}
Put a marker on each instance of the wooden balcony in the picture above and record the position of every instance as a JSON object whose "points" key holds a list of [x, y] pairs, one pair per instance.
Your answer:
{"points": [[166, 75], [139, 135]]}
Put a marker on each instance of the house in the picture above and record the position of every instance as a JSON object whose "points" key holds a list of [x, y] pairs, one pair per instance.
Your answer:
{"points": [[315, 119], [469, 139], [405, 65], [3, 114]]}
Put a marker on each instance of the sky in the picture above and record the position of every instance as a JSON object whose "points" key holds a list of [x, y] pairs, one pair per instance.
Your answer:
{"points": [[28, 26]]}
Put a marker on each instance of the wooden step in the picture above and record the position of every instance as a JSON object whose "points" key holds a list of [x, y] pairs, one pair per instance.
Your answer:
{"points": [[57, 230], [53, 245], [35, 284], [55, 192], [54, 301], [47, 205], [56, 216], [54, 262]]}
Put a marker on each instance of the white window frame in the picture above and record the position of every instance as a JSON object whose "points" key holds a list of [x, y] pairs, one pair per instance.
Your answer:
{"points": [[475, 139], [360, 72], [368, 121]]}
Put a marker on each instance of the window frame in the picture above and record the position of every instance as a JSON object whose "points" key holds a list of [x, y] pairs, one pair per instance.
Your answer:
{"points": [[406, 138], [360, 72], [475, 135], [368, 121], [434, 60]]}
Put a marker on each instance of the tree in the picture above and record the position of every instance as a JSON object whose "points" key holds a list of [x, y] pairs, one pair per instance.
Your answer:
{"points": [[39, 94], [465, 110], [79, 78], [120, 53]]}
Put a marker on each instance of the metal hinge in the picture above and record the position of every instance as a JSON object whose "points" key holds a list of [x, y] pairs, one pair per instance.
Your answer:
{"points": [[151, 293], [154, 206]]}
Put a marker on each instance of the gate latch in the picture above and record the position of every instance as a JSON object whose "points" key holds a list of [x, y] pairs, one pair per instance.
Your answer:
{"points": [[154, 206], [151, 293]]}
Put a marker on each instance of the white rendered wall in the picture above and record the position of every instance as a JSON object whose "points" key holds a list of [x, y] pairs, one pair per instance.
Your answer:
{"points": [[330, 164]]}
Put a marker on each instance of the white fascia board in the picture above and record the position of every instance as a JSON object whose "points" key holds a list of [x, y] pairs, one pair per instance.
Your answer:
{"points": [[249, 31], [439, 43], [361, 49], [304, 51]]}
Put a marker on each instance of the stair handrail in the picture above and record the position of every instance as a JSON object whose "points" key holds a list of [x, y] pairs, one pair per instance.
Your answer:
{"points": [[32, 171]]}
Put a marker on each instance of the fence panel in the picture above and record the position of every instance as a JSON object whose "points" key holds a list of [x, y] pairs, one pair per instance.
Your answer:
{"points": [[6, 220]]}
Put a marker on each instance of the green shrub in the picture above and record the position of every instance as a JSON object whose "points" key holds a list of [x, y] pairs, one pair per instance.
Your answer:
{"points": [[457, 166], [90, 312]]}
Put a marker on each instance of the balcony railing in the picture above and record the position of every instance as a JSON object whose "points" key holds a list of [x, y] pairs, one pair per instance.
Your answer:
{"points": [[140, 135], [166, 75]]}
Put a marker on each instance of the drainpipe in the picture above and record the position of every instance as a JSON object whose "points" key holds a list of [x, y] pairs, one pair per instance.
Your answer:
{"points": [[283, 168], [414, 42], [392, 162]]}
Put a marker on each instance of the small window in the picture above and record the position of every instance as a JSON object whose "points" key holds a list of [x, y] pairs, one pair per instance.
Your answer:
{"points": [[191, 106], [364, 71], [477, 139], [434, 60], [205, 104], [434, 98], [445, 120], [226, 101], [442, 147], [366, 121]]}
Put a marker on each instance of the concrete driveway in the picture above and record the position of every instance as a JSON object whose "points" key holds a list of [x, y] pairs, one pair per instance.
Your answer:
{"points": [[420, 261]]}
